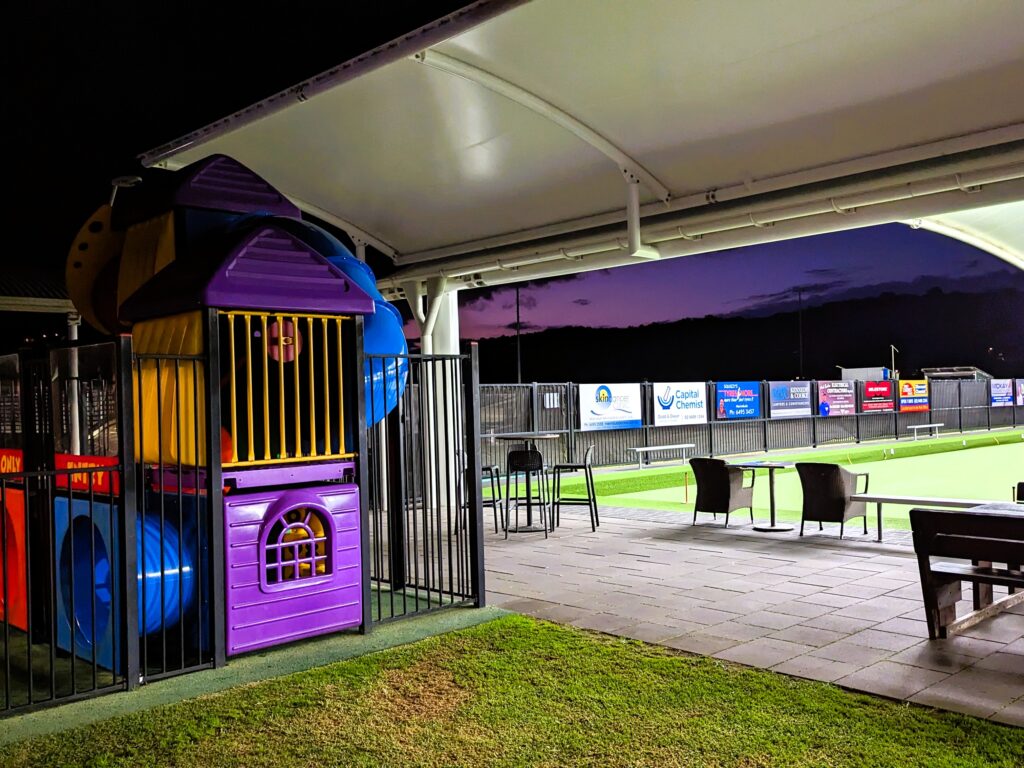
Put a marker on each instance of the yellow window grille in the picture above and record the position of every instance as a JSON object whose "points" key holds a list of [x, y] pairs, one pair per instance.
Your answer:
{"points": [[284, 397]]}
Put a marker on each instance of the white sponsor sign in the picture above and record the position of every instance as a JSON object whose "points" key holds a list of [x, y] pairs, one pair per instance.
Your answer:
{"points": [[610, 406], [680, 402]]}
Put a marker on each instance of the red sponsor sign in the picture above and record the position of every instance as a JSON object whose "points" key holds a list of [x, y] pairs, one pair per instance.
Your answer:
{"points": [[11, 461], [878, 396], [80, 481]]}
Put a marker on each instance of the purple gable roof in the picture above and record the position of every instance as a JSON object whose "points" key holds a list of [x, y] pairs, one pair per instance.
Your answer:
{"points": [[273, 269], [264, 268], [222, 183]]}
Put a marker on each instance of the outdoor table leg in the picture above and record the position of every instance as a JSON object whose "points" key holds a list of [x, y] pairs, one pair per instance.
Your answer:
{"points": [[982, 592], [772, 527], [878, 515]]}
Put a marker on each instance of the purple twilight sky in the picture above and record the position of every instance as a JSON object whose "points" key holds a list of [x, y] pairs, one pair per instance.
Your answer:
{"points": [[849, 264]]}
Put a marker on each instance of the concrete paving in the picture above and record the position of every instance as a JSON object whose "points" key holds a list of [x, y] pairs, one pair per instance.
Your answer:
{"points": [[846, 612]]}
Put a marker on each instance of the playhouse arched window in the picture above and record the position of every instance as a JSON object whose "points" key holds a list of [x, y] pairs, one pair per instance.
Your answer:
{"points": [[296, 546]]}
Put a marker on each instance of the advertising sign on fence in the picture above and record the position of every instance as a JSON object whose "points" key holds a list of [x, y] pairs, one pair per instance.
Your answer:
{"points": [[789, 399], [837, 398], [680, 402], [878, 396], [1002, 393], [1020, 392], [738, 399], [913, 395], [610, 406]]}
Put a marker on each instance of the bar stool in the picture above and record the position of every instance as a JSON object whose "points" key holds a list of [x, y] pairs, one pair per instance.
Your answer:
{"points": [[492, 476], [528, 462], [590, 500]]}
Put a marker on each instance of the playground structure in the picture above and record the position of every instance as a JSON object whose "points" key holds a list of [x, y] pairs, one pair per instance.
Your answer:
{"points": [[199, 483]]}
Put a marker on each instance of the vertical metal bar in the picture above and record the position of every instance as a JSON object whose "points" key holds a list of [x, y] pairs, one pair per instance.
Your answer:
{"points": [[132, 627], [214, 489], [234, 390], [266, 389], [328, 442], [197, 512], [251, 448], [341, 392], [282, 448], [311, 368], [436, 454], [6, 573], [298, 391], [29, 591], [181, 508], [92, 569], [362, 474], [163, 514], [471, 382], [72, 614], [452, 479]]}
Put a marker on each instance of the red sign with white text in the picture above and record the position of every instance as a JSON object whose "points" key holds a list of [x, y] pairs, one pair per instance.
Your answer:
{"points": [[11, 461], [878, 396], [80, 481]]}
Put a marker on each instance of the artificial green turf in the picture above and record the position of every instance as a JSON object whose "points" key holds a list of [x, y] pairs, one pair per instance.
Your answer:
{"points": [[638, 480], [516, 691], [980, 473]]}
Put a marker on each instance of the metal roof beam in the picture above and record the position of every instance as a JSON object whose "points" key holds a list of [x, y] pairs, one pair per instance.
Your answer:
{"points": [[445, 63]]}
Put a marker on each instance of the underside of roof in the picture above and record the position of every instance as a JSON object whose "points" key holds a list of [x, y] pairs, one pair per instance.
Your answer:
{"points": [[514, 141]]}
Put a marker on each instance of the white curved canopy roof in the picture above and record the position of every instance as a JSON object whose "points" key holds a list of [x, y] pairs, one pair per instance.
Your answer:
{"points": [[507, 149]]}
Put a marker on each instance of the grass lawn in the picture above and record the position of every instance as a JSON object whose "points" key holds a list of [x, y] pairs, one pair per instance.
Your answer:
{"points": [[981, 470], [516, 691]]}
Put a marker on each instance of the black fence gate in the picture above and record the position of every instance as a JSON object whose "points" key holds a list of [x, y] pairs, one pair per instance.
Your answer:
{"points": [[423, 473]]}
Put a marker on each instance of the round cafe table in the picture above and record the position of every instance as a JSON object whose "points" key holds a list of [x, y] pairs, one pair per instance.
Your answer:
{"points": [[528, 440], [771, 466]]}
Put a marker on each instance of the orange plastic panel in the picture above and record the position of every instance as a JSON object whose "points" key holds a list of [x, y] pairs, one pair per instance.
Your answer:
{"points": [[13, 572], [170, 401]]}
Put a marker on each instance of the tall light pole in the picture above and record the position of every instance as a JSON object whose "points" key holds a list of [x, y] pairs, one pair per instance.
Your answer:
{"points": [[892, 359], [800, 328], [519, 349]]}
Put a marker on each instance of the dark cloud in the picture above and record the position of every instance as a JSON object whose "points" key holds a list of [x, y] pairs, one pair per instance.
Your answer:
{"points": [[581, 302], [824, 272], [791, 294], [523, 326]]}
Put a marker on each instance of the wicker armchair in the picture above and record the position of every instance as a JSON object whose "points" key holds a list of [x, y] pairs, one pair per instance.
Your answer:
{"points": [[721, 489], [828, 489]]}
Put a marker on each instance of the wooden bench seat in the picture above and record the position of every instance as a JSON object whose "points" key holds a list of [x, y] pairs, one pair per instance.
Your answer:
{"points": [[982, 536]]}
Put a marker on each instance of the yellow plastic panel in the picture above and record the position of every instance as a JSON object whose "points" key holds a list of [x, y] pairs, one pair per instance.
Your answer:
{"points": [[95, 246], [148, 248], [170, 402]]}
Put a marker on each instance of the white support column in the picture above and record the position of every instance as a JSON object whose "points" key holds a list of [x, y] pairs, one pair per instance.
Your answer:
{"points": [[74, 320], [445, 335]]}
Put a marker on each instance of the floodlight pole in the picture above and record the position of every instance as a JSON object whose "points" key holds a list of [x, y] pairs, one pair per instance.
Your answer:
{"points": [[519, 351], [892, 359], [800, 329]]}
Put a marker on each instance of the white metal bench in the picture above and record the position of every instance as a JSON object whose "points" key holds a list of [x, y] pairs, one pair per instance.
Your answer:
{"points": [[933, 428], [925, 501], [646, 451]]}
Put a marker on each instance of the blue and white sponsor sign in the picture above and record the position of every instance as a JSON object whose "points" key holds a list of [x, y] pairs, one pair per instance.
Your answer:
{"points": [[738, 399], [680, 402], [789, 399], [1002, 393], [610, 406]]}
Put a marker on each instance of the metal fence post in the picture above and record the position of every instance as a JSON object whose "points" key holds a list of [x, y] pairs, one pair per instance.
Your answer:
{"points": [[765, 391], [711, 419], [471, 382], [215, 488], [534, 408], [363, 480], [126, 540], [570, 424], [960, 406]]}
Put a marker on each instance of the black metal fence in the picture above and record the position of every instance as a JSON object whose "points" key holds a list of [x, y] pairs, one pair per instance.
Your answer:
{"points": [[105, 569], [960, 406], [423, 472]]}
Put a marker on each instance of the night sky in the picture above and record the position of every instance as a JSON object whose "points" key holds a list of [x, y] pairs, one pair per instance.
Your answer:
{"points": [[91, 87], [754, 280]]}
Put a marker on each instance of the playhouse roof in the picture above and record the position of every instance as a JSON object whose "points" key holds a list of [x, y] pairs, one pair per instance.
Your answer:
{"points": [[262, 268], [215, 182]]}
